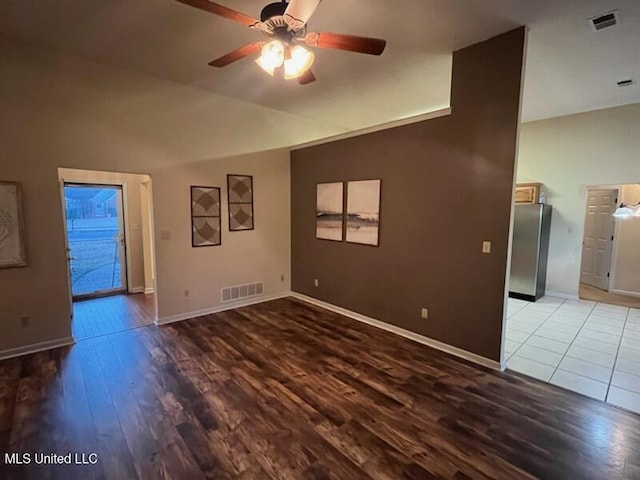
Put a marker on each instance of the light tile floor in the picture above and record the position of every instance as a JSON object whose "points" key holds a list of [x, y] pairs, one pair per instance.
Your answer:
{"points": [[588, 347]]}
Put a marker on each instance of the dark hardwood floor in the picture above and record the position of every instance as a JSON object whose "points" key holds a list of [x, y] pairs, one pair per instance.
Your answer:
{"points": [[105, 315], [285, 390]]}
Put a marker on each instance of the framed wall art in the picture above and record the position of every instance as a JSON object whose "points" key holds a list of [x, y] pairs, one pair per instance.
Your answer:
{"points": [[206, 228], [240, 196], [330, 211], [12, 241], [363, 212]]}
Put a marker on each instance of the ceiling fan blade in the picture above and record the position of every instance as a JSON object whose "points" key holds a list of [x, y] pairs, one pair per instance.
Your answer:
{"points": [[221, 10], [351, 43], [237, 54], [306, 78], [299, 12]]}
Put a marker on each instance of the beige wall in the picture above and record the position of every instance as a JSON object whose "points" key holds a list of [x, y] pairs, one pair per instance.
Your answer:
{"points": [[262, 254], [58, 111], [568, 155], [627, 258], [133, 216]]}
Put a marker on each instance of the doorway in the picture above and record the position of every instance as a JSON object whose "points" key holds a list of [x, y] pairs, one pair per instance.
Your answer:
{"points": [[597, 245], [95, 232], [108, 225], [610, 258]]}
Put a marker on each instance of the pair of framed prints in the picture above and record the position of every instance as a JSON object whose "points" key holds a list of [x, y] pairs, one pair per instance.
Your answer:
{"points": [[206, 208], [356, 220]]}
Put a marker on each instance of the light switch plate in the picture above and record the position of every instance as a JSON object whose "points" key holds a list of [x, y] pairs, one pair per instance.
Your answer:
{"points": [[486, 247]]}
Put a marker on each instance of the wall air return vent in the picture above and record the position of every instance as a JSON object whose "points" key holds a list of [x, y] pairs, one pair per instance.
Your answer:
{"points": [[233, 294], [625, 83], [604, 21]]}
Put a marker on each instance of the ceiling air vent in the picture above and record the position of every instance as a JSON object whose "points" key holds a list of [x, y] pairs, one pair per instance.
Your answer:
{"points": [[625, 83], [604, 21]]}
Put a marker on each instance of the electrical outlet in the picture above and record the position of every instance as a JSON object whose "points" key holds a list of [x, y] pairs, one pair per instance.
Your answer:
{"points": [[316, 283], [424, 313], [25, 321], [186, 293], [486, 247]]}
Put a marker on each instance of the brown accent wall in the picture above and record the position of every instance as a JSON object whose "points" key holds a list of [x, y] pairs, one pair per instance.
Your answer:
{"points": [[447, 185]]}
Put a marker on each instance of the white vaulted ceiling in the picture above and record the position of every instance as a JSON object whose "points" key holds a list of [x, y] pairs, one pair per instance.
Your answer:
{"points": [[570, 68]]}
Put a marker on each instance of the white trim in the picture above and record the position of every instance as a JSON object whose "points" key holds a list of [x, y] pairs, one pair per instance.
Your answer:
{"points": [[219, 308], [137, 290], [149, 290], [512, 213], [614, 249], [416, 337], [67, 249], [36, 347], [566, 296], [442, 112], [626, 293], [127, 235]]}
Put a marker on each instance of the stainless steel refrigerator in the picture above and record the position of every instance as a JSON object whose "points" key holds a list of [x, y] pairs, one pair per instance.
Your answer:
{"points": [[531, 227]]}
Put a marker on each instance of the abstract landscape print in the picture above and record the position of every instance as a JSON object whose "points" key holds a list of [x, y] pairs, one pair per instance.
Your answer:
{"points": [[363, 212], [329, 211]]}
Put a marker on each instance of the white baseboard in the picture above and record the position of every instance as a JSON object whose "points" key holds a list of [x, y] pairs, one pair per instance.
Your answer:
{"points": [[36, 347], [142, 290], [219, 308], [566, 296], [626, 293], [416, 337]]}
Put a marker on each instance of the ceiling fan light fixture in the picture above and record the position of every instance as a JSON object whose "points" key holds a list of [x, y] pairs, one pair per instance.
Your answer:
{"points": [[272, 56], [299, 61], [285, 22]]}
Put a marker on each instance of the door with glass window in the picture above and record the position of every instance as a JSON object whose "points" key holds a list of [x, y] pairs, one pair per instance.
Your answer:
{"points": [[95, 239]]}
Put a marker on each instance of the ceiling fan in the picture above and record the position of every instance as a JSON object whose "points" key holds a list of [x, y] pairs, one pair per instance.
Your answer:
{"points": [[286, 25]]}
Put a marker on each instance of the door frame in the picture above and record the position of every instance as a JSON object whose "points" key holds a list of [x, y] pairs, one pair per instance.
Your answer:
{"points": [[614, 247], [126, 287], [67, 250], [614, 250]]}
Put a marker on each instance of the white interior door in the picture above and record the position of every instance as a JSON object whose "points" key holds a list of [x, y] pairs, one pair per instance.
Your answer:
{"points": [[597, 246]]}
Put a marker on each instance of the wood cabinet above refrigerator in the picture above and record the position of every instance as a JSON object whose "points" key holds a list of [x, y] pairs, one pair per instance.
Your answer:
{"points": [[528, 192]]}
